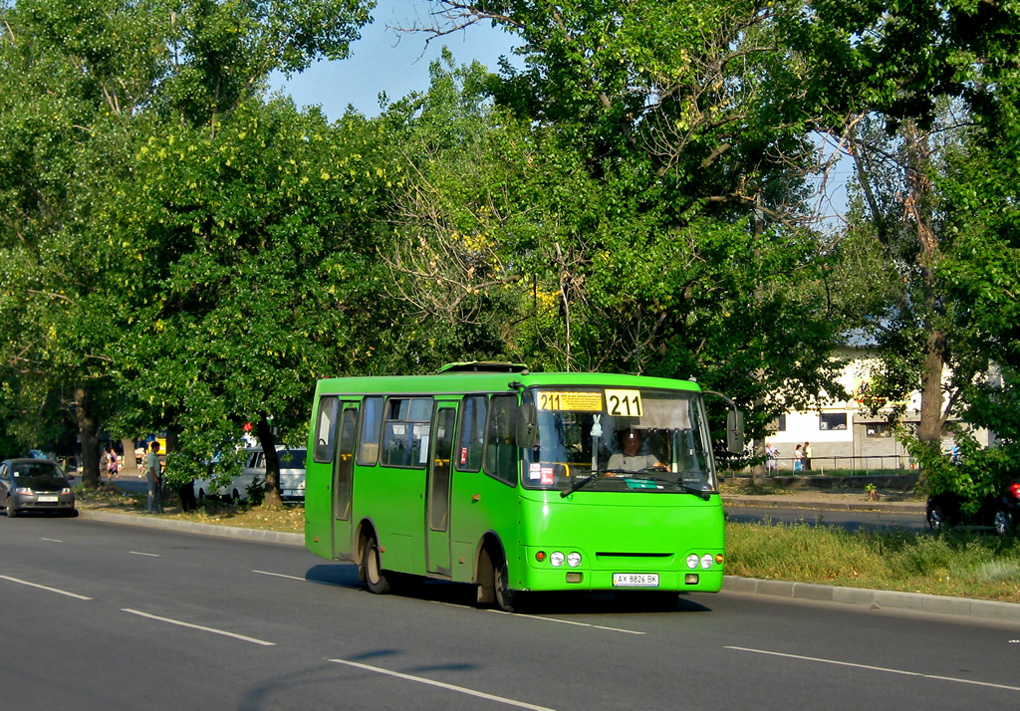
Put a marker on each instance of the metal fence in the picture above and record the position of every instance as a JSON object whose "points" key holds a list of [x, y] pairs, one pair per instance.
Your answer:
{"points": [[860, 465]]}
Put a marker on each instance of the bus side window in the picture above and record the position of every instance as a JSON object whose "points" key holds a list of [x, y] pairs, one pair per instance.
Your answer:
{"points": [[406, 432], [500, 440], [325, 430], [472, 434], [371, 421]]}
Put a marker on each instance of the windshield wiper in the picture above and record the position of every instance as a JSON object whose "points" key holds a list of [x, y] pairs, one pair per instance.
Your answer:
{"points": [[626, 472], [641, 475], [582, 482]]}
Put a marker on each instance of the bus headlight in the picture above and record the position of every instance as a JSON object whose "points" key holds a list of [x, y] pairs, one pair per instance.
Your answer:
{"points": [[692, 561], [556, 559], [574, 559], [706, 561]]}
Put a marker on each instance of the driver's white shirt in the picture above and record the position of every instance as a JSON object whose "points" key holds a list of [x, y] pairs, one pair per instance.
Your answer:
{"points": [[633, 463]]}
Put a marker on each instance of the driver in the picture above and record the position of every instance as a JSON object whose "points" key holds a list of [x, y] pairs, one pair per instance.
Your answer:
{"points": [[629, 459]]}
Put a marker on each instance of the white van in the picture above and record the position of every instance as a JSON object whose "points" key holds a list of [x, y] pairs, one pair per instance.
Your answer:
{"points": [[292, 473], [237, 488], [292, 476]]}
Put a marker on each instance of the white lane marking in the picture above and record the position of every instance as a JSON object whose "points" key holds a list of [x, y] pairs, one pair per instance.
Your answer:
{"points": [[880, 669], [51, 540], [241, 637], [443, 685], [279, 575], [147, 555], [43, 587], [569, 622]]}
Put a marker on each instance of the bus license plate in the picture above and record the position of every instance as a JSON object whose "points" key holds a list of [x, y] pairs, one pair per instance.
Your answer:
{"points": [[635, 580]]}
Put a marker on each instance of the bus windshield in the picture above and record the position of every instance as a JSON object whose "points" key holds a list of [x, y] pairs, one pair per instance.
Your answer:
{"points": [[622, 440]]}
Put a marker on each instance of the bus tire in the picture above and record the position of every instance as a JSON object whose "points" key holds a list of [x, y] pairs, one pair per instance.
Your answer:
{"points": [[506, 597], [375, 579]]}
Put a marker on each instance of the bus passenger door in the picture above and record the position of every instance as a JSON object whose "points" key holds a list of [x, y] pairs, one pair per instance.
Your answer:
{"points": [[437, 504], [343, 479]]}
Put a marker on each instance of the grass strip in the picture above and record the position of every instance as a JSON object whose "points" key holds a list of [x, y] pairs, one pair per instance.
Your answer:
{"points": [[957, 563]]}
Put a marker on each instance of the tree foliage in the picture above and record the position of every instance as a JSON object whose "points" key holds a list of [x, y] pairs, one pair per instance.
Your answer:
{"points": [[86, 84]]}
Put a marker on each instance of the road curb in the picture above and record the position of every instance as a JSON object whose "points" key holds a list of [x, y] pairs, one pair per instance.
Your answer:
{"points": [[878, 599], [205, 529]]}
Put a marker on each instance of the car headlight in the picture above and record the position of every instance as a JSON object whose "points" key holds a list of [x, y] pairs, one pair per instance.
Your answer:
{"points": [[23, 490], [556, 559]]}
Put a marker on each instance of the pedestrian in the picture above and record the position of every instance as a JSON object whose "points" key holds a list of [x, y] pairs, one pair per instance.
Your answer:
{"points": [[155, 476], [807, 456], [772, 459], [798, 461], [112, 463]]}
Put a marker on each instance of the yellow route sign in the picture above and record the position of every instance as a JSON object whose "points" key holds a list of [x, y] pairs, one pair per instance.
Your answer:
{"points": [[624, 403], [576, 401]]}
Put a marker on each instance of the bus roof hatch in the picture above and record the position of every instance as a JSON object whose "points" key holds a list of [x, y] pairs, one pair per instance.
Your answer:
{"points": [[480, 366]]}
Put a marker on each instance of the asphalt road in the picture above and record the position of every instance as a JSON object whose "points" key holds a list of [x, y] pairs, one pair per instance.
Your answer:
{"points": [[100, 616]]}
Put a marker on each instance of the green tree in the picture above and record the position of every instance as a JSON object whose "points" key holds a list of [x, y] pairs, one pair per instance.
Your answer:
{"points": [[921, 92], [657, 147], [85, 85], [256, 276]]}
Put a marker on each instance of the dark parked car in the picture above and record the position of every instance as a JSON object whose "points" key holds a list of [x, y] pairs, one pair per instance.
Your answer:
{"points": [[1001, 512], [35, 485]]}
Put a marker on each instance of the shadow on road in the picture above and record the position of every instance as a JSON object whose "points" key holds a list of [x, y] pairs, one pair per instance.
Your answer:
{"points": [[463, 594]]}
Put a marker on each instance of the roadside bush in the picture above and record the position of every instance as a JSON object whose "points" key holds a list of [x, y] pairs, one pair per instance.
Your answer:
{"points": [[980, 472], [256, 491]]}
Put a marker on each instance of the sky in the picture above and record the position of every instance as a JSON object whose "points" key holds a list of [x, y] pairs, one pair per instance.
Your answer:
{"points": [[384, 60]]}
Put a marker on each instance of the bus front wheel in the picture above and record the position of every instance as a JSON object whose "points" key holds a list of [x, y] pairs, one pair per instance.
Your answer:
{"points": [[372, 565], [506, 598]]}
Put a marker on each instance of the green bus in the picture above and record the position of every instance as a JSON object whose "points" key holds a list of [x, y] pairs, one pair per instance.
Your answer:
{"points": [[514, 481]]}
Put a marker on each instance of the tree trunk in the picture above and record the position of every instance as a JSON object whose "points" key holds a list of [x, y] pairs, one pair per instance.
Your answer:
{"points": [[268, 442], [930, 429], [88, 434], [173, 436], [759, 472], [128, 464], [917, 211]]}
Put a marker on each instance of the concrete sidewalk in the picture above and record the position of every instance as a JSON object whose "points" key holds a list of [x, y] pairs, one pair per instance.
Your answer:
{"points": [[1002, 612]]}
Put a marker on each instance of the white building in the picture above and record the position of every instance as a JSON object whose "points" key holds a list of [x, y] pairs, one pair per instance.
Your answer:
{"points": [[844, 434]]}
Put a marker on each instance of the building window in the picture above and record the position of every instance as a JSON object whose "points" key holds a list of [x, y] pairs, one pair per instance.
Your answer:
{"points": [[878, 429], [832, 421], [779, 424]]}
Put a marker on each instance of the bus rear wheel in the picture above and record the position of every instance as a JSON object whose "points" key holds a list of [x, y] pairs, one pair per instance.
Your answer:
{"points": [[371, 564]]}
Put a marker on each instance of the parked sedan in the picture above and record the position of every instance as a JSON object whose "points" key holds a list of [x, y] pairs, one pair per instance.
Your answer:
{"points": [[1001, 511], [35, 485]]}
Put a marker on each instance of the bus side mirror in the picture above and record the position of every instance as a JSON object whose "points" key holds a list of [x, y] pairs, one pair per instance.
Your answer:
{"points": [[527, 425], [735, 432]]}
